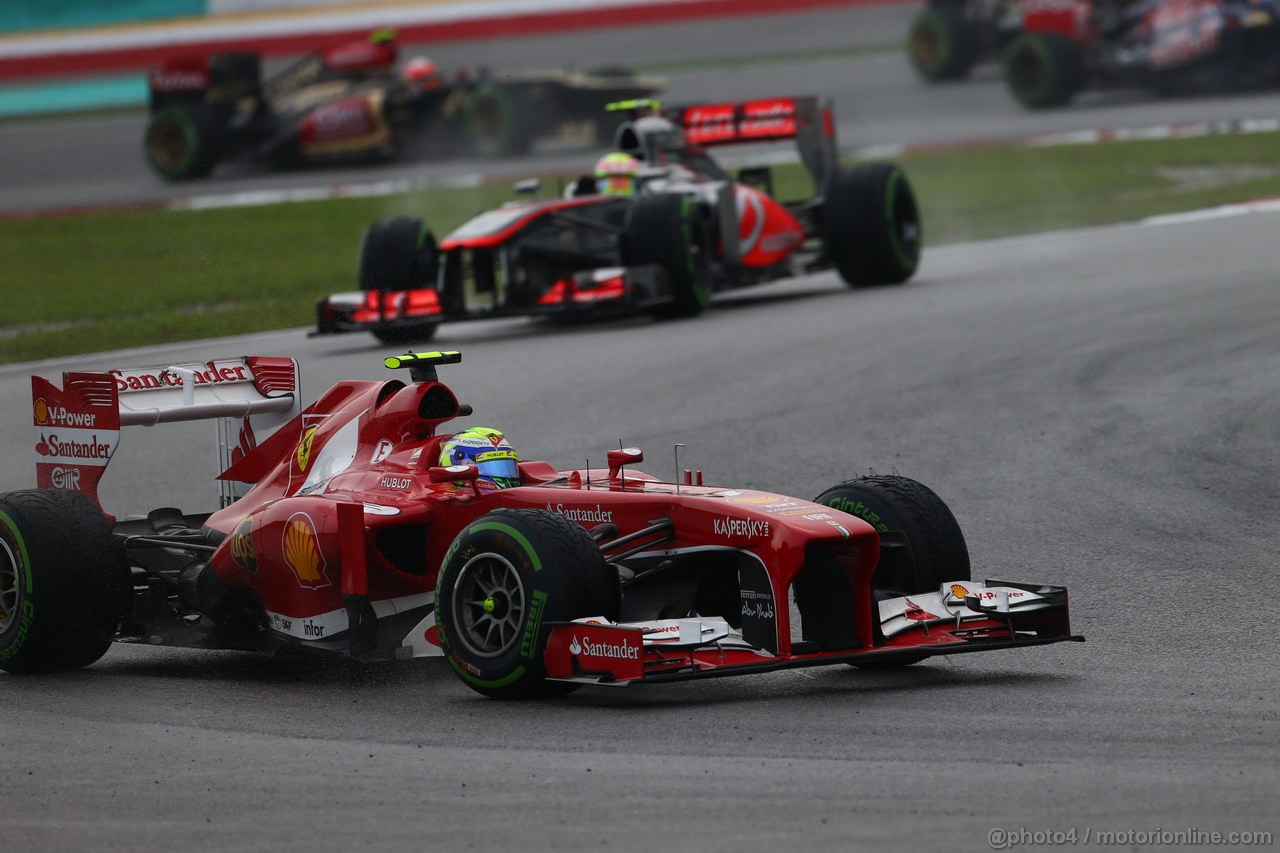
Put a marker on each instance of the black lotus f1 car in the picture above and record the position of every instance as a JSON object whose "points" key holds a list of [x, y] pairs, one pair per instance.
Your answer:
{"points": [[350, 102]]}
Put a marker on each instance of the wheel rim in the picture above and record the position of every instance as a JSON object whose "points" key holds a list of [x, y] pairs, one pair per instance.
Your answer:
{"points": [[9, 592], [489, 121], [699, 258], [489, 605], [1028, 73], [906, 224], [169, 145], [928, 47]]}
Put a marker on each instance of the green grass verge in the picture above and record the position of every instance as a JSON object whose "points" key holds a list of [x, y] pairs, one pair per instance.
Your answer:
{"points": [[111, 280]]}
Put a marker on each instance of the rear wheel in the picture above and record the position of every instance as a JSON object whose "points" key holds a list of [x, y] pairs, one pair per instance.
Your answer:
{"points": [[1043, 69], [665, 230], [505, 579], [182, 143], [942, 44], [63, 581], [922, 546], [494, 123], [399, 254], [871, 225]]}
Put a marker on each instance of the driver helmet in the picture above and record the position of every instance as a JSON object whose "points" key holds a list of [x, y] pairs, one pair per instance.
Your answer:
{"points": [[422, 72], [616, 174], [488, 450]]}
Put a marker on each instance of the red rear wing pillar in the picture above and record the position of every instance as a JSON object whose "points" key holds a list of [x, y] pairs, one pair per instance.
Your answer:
{"points": [[77, 426]]}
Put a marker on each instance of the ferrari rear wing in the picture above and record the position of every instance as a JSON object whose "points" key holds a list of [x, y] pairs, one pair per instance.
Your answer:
{"points": [[77, 426], [810, 124]]}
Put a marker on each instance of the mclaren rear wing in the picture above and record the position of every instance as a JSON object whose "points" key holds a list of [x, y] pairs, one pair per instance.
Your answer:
{"points": [[77, 426], [810, 124]]}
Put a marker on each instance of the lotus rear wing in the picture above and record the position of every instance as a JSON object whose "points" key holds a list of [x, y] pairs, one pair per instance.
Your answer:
{"points": [[810, 124], [77, 426]]}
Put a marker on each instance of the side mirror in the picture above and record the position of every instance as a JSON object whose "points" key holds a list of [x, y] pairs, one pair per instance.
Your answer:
{"points": [[625, 456], [453, 473], [651, 173]]}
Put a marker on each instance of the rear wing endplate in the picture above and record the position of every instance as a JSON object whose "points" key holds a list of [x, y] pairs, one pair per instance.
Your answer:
{"points": [[77, 426]]}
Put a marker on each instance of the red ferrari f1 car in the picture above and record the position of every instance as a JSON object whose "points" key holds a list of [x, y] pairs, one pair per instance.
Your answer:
{"points": [[343, 531], [687, 231], [349, 102]]}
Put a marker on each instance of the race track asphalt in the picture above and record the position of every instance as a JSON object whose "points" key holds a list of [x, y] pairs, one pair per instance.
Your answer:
{"points": [[846, 55], [1098, 408]]}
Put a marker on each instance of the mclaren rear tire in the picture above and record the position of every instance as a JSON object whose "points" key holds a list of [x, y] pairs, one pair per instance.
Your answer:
{"points": [[63, 581], [913, 512], [871, 226], [505, 579]]}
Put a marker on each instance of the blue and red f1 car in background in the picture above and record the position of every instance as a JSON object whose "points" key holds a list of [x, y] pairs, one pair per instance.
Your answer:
{"points": [[1070, 45]]}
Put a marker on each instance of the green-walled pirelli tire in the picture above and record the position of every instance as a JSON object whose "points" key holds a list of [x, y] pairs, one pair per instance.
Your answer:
{"points": [[495, 124], [908, 514], [1043, 69], [63, 581], [398, 254], [182, 143], [871, 227], [504, 580], [665, 229], [942, 44]]}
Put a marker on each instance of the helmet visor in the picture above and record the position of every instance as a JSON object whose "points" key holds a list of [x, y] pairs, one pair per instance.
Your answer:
{"points": [[616, 184], [498, 464]]}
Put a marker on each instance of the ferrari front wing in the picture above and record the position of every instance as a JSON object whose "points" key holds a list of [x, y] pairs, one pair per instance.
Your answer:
{"points": [[964, 616]]}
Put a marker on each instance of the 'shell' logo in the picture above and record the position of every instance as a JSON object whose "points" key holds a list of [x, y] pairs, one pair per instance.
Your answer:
{"points": [[302, 551], [65, 478], [304, 447], [242, 546], [42, 411]]}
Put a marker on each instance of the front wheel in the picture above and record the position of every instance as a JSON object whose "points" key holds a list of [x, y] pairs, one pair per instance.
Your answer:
{"points": [[871, 227], [505, 579], [1043, 69], [63, 581], [399, 254], [665, 230], [922, 546]]}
